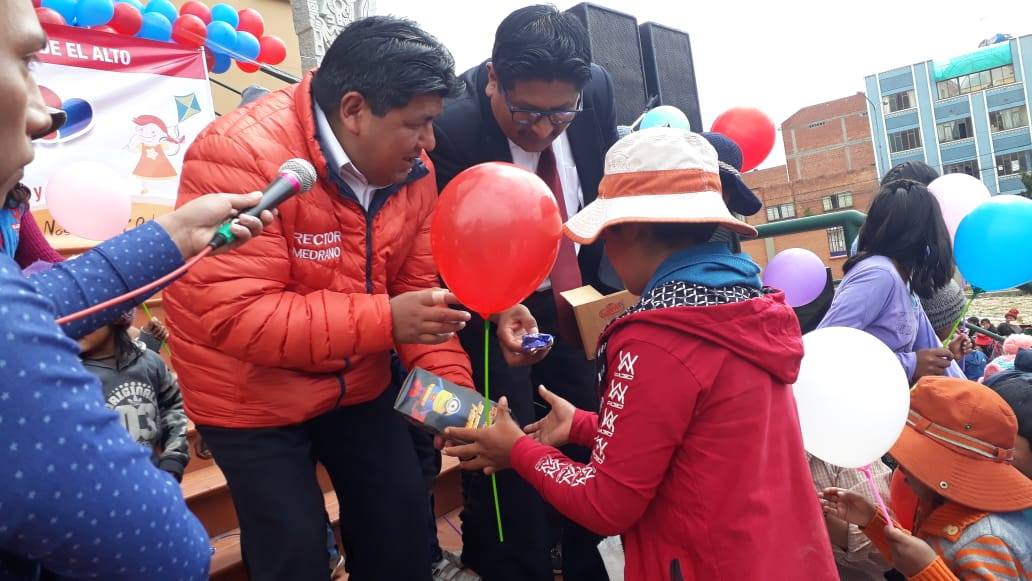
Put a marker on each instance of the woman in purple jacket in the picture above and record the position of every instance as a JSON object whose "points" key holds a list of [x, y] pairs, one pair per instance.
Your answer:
{"points": [[904, 253]]}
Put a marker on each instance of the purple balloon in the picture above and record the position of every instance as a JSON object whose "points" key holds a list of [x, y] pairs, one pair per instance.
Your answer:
{"points": [[799, 273]]}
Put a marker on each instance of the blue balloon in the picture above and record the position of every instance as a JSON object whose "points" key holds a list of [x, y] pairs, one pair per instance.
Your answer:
{"points": [[225, 13], [156, 27], [222, 38], [993, 245], [139, 5], [94, 12], [65, 8], [665, 116], [247, 46], [221, 64], [164, 8]]}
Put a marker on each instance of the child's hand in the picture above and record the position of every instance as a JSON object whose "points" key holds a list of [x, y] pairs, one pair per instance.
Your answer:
{"points": [[553, 429], [157, 329], [960, 347], [489, 448], [848, 506], [910, 555], [931, 362]]}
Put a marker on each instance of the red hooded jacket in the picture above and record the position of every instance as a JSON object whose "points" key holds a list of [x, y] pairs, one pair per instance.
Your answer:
{"points": [[697, 456], [298, 321]]}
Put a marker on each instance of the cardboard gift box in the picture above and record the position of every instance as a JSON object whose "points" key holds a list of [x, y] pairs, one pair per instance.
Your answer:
{"points": [[436, 403], [594, 311]]}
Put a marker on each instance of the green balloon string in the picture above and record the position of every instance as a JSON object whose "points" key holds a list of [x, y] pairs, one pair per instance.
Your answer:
{"points": [[487, 420], [963, 315]]}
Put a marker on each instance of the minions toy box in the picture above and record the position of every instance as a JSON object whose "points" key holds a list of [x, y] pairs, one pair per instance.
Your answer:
{"points": [[436, 404]]}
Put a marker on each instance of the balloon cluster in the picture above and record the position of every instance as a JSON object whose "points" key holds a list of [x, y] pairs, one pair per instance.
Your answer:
{"points": [[225, 33]]}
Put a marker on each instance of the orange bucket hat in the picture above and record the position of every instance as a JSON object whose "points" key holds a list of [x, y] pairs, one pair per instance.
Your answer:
{"points": [[959, 441]]}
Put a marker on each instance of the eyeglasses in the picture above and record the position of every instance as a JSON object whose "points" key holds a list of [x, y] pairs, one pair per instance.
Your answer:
{"points": [[557, 118]]}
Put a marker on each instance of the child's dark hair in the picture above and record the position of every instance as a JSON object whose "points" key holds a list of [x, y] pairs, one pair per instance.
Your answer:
{"points": [[1016, 390], [676, 234], [905, 224], [973, 321], [125, 347]]}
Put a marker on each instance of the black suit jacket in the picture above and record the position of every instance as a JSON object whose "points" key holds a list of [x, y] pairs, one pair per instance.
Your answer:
{"points": [[467, 134]]}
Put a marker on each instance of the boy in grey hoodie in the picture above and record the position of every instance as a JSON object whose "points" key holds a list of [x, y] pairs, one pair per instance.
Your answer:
{"points": [[142, 390]]}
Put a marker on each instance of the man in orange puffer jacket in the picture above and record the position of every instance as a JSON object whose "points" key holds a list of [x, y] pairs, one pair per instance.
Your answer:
{"points": [[283, 347]]}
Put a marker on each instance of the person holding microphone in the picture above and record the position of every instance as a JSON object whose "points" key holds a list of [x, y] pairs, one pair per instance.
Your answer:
{"points": [[78, 497]]}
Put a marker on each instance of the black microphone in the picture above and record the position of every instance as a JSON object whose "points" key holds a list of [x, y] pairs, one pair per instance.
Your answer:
{"points": [[295, 176]]}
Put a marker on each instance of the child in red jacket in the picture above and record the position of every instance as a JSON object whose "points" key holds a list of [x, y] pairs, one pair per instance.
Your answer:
{"points": [[697, 458]]}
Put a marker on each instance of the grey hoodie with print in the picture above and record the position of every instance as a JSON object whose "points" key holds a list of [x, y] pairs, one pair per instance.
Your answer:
{"points": [[143, 391]]}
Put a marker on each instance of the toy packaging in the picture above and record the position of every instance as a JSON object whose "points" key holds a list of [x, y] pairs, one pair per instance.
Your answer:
{"points": [[435, 403]]}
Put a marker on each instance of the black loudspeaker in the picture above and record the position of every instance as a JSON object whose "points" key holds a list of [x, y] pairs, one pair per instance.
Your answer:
{"points": [[614, 46], [669, 72]]}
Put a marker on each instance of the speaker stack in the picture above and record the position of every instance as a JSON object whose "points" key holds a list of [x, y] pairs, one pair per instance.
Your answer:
{"points": [[650, 65]]}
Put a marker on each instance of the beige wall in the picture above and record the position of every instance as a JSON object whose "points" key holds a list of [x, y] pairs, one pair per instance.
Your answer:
{"points": [[279, 21]]}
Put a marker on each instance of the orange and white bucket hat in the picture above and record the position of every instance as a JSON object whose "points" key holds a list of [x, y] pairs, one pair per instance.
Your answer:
{"points": [[658, 175]]}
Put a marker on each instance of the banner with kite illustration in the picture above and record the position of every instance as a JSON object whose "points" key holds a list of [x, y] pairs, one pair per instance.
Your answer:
{"points": [[133, 105]]}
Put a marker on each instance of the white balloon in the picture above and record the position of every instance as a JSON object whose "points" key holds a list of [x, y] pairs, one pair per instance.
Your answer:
{"points": [[958, 195], [853, 396]]}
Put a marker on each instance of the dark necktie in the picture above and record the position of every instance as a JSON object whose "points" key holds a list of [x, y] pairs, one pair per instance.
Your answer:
{"points": [[566, 272]]}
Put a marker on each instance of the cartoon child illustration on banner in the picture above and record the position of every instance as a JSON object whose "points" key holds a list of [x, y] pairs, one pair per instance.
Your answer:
{"points": [[155, 142]]}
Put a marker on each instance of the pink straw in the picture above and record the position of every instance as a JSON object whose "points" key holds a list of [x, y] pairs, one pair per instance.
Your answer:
{"points": [[866, 471]]}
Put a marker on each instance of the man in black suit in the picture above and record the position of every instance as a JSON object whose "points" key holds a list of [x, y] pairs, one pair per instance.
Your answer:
{"points": [[541, 104]]}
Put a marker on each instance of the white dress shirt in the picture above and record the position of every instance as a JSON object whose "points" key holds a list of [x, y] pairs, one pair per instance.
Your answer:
{"points": [[338, 158], [573, 195]]}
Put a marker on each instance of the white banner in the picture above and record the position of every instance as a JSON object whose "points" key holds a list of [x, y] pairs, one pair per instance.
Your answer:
{"points": [[133, 105]]}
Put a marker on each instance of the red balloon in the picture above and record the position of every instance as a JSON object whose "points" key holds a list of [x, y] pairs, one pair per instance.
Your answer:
{"points": [[495, 236], [251, 21], [198, 9], [37, 3], [247, 67], [189, 30], [107, 29], [48, 16], [127, 19], [273, 50], [751, 129]]}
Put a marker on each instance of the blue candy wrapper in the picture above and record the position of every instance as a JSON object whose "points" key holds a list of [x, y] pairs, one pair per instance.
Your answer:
{"points": [[534, 342]]}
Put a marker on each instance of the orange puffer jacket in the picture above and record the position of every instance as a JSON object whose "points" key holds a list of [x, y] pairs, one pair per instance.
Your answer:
{"points": [[298, 321]]}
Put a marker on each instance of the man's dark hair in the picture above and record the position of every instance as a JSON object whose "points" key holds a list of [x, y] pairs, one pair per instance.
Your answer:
{"points": [[387, 60], [541, 43], [973, 321], [905, 224]]}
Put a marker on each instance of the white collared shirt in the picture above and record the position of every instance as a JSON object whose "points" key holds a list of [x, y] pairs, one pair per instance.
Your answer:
{"points": [[567, 168], [573, 195], [338, 158]]}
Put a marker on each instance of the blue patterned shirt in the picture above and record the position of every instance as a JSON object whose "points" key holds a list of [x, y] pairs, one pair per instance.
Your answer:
{"points": [[78, 497]]}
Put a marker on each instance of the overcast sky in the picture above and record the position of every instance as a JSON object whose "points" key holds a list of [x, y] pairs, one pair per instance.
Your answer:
{"points": [[777, 56]]}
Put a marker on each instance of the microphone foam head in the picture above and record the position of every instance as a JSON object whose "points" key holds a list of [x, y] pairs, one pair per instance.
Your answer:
{"points": [[302, 169]]}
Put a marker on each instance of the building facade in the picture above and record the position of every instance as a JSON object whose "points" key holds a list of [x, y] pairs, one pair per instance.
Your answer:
{"points": [[830, 166], [965, 114]]}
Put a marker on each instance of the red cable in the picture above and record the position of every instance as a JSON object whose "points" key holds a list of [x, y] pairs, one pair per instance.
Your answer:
{"points": [[135, 293]]}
